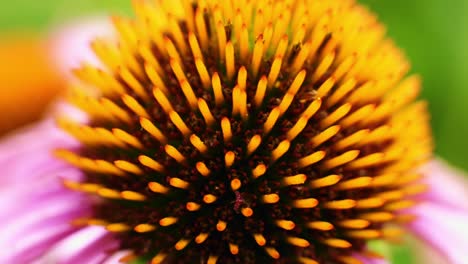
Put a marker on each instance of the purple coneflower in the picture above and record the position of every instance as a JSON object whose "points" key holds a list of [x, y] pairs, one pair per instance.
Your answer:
{"points": [[231, 132]]}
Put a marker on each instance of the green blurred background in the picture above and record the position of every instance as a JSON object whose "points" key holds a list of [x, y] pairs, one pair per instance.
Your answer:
{"points": [[431, 32]]}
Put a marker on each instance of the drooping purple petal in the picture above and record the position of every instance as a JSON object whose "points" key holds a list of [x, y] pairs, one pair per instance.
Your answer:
{"points": [[442, 217], [30, 150], [443, 228], [35, 208], [71, 43], [89, 245], [448, 185]]}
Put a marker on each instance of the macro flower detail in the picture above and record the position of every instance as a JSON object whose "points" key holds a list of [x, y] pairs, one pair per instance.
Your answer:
{"points": [[248, 132]]}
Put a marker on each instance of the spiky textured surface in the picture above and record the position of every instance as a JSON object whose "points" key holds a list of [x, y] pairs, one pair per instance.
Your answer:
{"points": [[249, 132]]}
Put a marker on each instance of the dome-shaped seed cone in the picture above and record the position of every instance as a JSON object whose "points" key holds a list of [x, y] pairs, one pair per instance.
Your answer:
{"points": [[249, 132]]}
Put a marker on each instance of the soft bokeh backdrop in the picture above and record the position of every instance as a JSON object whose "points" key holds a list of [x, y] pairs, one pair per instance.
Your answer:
{"points": [[432, 33], [435, 37]]}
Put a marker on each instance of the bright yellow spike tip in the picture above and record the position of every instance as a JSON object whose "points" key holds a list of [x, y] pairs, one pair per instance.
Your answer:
{"points": [[248, 131]]}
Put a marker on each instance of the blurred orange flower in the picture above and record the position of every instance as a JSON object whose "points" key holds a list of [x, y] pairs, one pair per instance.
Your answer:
{"points": [[28, 81]]}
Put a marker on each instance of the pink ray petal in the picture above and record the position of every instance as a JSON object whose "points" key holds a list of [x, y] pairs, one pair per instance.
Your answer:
{"points": [[448, 185], [35, 208], [30, 150], [443, 214], [443, 228], [84, 246], [34, 245], [71, 43], [48, 212]]}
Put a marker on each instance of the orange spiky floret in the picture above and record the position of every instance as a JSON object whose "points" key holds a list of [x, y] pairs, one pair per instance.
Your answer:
{"points": [[263, 131]]}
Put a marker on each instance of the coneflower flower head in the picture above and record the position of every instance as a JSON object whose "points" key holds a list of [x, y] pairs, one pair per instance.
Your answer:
{"points": [[249, 132]]}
